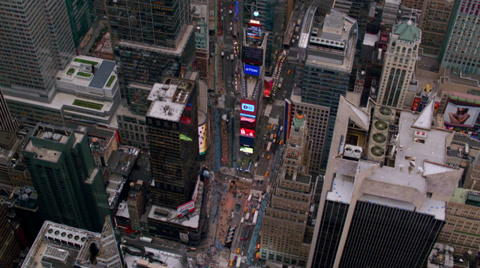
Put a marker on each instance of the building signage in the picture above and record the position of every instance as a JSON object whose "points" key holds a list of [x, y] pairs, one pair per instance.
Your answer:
{"points": [[252, 69], [252, 55], [190, 206], [248, 107]]}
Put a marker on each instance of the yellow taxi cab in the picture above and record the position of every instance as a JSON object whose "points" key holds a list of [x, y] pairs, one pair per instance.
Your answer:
{"points": [[281, 142], [238, 250], [268, 157], [266, 174], [246, 209], [253, 211], [289, 72], [231, 263]]}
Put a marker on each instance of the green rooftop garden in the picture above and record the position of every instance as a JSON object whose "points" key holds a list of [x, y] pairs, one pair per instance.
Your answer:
{"points": [[87, 104], [86, 61], [84, 74], [70, 71], [110, 80]]}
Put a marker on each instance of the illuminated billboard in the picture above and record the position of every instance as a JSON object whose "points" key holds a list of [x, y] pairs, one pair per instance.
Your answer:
{"points": [[202, 139], [248, 108], [247, 132], [458, 115], [252, 69], [246, 141], [252, 55], [248, 122], [246, 150]]}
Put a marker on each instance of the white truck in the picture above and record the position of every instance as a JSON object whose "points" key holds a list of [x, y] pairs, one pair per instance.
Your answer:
{"points": [[146, 239], [255, 217], [247, 216]]}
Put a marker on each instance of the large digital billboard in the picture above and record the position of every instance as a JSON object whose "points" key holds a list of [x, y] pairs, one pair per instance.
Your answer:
{"points": [[247, 132], [202, 139], [252, 69], [247, 122], [248, 108], [252, 55], [458, 115], [246, 141]]}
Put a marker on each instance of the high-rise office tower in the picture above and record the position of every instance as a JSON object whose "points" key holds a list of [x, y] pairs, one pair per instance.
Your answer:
{"points": [[434, 23], [80, 15], [10, 246], [385, 189], [390, 12], [172, 127], [415, 4], [7, 122], [36, 42], [151, 40], [326, 49], [254, 46], [357, 9], [284, 226], [70, 187], [461, 49], [399, 64]]}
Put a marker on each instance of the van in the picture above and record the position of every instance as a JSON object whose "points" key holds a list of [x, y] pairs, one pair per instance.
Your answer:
{"points": [[266, 175]]}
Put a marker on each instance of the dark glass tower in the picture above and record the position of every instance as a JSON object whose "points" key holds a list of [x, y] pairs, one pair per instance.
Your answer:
{"points": [[70, 187], [173, 137], [151, 39]]}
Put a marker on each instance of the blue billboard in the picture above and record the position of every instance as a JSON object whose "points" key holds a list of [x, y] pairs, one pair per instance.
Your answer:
{"points": [[252, 69]]}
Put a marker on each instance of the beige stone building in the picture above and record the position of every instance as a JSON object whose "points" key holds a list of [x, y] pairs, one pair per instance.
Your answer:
{"points": [[462, 230], [285, 236]]}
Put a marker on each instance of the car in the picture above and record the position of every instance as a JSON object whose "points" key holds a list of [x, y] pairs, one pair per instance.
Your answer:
{"points": [[268, 157], [289, 71], [266, 174], [231, 263], [238, 251], [258, 158]]}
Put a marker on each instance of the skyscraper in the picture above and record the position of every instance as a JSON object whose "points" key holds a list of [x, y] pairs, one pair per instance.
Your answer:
{"points": [[172, 127], [434, 23], [151, 40], [7, 122], [383, 201], [284, 226], [70, 187], [461, 49], [326, 49], [36, 42], [399, 64], [10, 246], [80, 17]]}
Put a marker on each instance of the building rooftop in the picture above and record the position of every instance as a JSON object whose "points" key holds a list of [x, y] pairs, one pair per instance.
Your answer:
{"points": [[168, 101], [408, 31], [329, 42], [164, 50], [57, 244], [169, 259], [84, 71]]}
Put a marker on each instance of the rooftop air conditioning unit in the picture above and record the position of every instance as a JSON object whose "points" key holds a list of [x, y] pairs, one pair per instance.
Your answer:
{"points": [[352, 151], [420, 134]]}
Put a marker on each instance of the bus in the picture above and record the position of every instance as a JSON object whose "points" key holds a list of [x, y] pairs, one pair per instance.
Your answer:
{"points": [[269, 146], [255, 217]]}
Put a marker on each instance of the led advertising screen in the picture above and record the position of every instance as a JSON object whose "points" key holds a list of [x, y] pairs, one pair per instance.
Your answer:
{"points": [[458, 115], [202, 139], [246, 150], [246, 141], [252, 69], [252, 55], [248, 108], [247, 132], [247, 122]]}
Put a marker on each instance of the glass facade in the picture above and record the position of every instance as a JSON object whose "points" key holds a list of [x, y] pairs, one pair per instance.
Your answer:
{"points": [[70, 188], [80, 17], [36, 42], [174, 155], [159, 23]]}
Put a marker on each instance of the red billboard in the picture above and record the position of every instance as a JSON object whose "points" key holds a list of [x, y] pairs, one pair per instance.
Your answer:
{"points": [[247, 132], [248, 108], [416, 104]]}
